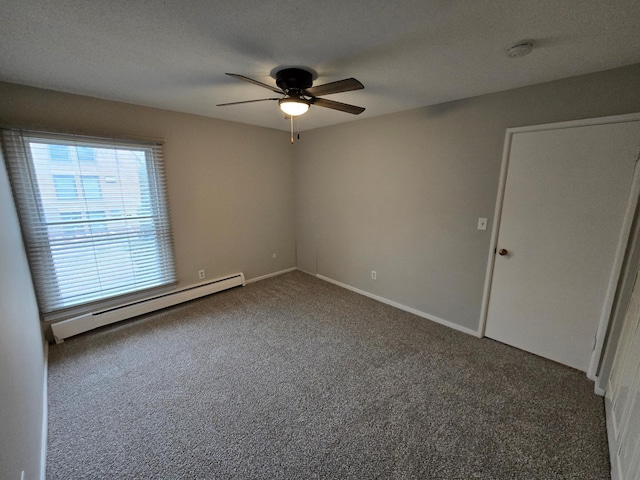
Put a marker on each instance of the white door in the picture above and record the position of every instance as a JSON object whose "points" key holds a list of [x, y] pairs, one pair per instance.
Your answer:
{"points": [[623, 396], [565, 198]]}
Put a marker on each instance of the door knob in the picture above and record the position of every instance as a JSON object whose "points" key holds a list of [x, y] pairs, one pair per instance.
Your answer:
{"points": [[503, 252]]}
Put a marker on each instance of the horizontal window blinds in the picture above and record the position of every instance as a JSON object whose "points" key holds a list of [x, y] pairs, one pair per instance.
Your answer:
{"points": [[93, 213]]}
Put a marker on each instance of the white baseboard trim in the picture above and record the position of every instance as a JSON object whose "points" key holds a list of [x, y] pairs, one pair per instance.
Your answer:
{"points": [[597, 390], [419, 313], [45, 415], [269, 275], [99, 318], [313, 274]]}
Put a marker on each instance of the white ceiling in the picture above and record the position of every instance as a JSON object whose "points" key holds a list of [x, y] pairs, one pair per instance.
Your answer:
{"points": [[407, 53]]}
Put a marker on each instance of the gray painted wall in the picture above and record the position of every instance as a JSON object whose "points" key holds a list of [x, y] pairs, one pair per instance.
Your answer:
{"points": [[22, 365], [401, 194]]}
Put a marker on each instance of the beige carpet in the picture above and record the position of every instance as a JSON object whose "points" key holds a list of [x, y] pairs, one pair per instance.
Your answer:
{"points": [[295, 378]]}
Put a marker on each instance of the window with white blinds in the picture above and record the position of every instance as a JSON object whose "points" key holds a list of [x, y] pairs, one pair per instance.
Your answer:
{"points": [[93, 213]]}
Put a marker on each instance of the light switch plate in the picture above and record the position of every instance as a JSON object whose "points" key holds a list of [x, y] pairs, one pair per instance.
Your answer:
{"points": [[482, 224]]}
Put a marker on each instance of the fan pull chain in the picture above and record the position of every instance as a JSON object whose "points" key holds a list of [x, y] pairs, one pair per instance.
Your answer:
{"points": [[295, 129]]}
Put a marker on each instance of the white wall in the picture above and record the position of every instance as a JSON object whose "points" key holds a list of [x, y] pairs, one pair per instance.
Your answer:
{"points": [[22, 365], [401, 194]]}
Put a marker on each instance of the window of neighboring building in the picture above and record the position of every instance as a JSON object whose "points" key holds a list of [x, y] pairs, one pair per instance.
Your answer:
{"points": [[96, 226], [59, 153], [86, 154], [87, 255], [91, 187], [65, 186], [71, 223]]}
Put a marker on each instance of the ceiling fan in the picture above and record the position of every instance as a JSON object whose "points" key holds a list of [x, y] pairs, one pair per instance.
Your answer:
{"points": [[295, 84]]}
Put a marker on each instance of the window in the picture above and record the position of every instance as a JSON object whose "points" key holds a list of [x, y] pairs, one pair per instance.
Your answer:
{"points": [[91, 187], [96, 226], [89, 241], [71, 224], [65, 186], [86, 154], [59, 153]]}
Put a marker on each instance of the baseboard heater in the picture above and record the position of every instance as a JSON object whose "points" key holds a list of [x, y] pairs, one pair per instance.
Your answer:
{"points": [[83, 323]]}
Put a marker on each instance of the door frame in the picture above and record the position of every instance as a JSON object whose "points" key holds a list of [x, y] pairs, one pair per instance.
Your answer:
{"points": [[623, 238]]}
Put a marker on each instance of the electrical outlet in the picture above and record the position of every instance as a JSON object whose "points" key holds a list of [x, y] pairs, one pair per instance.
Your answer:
{"points": [[201, 274], [374, 275]]}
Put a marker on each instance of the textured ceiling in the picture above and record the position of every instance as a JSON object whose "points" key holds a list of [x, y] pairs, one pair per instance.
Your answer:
{"points": [[407, 53]]}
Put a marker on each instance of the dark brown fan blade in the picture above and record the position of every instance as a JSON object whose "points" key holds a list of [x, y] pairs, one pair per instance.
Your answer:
{"points": [[345, 85], [343, 107], [255, 82], [246, 101]]}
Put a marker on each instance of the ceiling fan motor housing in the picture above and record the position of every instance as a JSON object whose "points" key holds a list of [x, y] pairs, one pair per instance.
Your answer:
{"points": [[294, 79], [296, 85]]}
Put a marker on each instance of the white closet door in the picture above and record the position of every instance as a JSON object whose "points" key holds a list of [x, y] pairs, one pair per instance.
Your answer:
{"points": [[565, 197], [623, 396]]}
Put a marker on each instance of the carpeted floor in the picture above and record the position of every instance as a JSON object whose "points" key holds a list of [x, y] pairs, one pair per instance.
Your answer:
{"points": [[295, 378]]}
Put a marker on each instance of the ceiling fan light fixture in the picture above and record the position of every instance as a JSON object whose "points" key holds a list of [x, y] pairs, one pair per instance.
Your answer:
{"points": [[293, 106]]}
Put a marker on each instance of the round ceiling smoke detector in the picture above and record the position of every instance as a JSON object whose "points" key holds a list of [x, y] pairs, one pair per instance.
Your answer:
{"points": [[520, 49]]}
